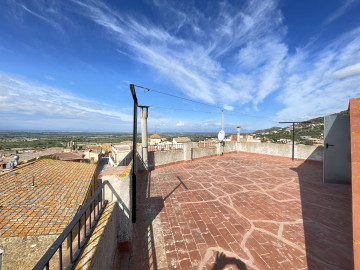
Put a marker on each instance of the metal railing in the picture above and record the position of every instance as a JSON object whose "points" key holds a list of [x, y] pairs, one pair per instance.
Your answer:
{"points": [[165, 147], [96, 201]]}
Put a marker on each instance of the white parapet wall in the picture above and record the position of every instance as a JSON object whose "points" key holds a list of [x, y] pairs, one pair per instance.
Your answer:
{"points": [[157, 158], [307, 152], [203, 152]]}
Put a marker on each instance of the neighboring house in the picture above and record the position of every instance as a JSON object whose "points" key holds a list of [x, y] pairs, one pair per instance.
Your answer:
{"points": [[249, 138], [119, 152], [78, 157], [233, 138], [38, 200], [3, 164], [106, 147], [92, 147], [181, 140], [92, 155], [155, 139], [68, 150]]}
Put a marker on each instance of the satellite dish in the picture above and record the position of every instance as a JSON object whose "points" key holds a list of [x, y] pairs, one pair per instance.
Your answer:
{"points": [[221, 135]]}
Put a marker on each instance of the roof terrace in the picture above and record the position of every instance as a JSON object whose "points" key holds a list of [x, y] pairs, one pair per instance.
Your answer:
{"points": [[242, 211]]}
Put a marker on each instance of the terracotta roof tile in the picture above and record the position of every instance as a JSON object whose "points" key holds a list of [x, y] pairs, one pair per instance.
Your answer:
{"points": [[60, 188]]}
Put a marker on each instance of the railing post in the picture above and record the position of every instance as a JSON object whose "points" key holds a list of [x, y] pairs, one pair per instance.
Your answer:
{"points": [[60, 257]]}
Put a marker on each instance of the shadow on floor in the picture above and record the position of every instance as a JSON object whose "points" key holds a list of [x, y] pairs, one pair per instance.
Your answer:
{"points": [[223, 261], [148, 207], [327, 219]]}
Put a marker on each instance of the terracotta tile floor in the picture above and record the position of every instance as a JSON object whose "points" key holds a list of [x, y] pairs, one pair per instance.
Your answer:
{"points": [[242, 211]]}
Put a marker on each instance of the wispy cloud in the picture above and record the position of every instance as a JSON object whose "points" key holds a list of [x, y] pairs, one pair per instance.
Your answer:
{"points": [[50, 12], [35, 14], [347, 4], [347, 71], [235, 56], [38, 102], [321, 83], [180, 124], [196, 63]]}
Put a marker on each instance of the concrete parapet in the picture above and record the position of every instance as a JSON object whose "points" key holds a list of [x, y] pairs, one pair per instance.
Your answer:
{"points": [[187, 151], [118, 191], [307, 152], [203, 152]]}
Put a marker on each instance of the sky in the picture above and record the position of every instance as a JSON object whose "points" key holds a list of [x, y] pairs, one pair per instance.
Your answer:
{"points": [[67, 65]]}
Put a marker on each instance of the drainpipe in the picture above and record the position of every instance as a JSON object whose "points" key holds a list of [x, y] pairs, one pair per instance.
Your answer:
{"points": [[144, 136]]}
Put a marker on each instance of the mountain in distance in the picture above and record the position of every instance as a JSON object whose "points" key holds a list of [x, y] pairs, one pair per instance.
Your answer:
{"points": [[314, 129]]}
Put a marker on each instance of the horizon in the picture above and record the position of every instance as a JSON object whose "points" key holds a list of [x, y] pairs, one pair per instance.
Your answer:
{"points": [[68, 65]]}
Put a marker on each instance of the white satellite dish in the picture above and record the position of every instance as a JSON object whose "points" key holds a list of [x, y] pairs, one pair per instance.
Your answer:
{"points": [[221, 135]]}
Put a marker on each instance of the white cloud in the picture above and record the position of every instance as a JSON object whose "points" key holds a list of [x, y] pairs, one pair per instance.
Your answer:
{"points": [[347, 71], [195, 65], [228, 107], [234, 56], [35, 101], [321, 85], [49, 78], [180, 124]]}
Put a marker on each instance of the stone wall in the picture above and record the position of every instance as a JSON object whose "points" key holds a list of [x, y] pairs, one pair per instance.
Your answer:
{"points": [[23, 252]]}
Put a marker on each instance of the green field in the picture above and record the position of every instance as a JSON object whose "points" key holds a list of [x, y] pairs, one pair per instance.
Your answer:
{"points": [[30, 140]]}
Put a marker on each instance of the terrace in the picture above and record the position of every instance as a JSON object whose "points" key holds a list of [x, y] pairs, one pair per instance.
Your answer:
{"points": [[239, 205], [242, 211]]}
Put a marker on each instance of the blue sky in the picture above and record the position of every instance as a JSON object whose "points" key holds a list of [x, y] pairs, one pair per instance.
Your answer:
{"points": [[67, 65]]}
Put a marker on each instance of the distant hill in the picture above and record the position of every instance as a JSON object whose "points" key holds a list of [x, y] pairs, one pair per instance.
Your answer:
{"points": [[314, 129]]}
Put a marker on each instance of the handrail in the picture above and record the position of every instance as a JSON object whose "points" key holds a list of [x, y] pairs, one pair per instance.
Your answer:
{"points": [[57, 245]]}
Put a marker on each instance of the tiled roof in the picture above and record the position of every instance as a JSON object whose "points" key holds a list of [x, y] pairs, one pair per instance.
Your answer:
{"points": [[182, 139], [155, 136], [119, 171], [69, 156], [47, 208]]}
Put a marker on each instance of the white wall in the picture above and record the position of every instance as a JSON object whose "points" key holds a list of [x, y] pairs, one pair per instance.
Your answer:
{"points": [[310, 152]]}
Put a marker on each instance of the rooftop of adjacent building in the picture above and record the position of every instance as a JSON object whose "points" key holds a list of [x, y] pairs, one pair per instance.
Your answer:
{"points": [[155, 136], [47, 207], [69, 156], [182, 139]]}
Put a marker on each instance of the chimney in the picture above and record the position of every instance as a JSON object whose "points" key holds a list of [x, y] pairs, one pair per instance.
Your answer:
{"points": [[144, 136], [238, 129]]}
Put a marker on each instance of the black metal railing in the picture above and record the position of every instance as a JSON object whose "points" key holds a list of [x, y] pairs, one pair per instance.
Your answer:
{"points": [[165, 147], [84, 221]]}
